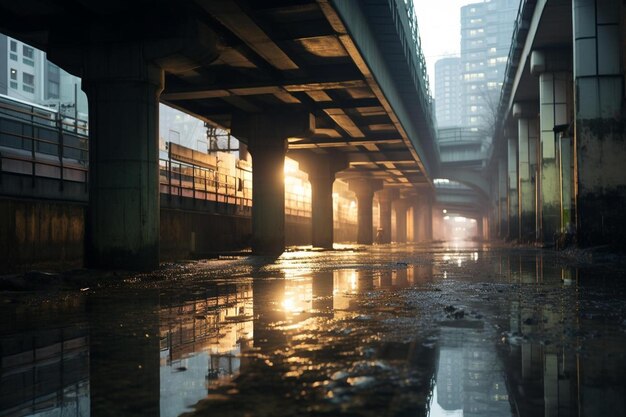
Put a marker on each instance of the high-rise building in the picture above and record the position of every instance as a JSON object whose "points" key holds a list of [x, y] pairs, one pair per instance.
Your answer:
{"points": [[26, 74], [486, 30], [447, 92]]}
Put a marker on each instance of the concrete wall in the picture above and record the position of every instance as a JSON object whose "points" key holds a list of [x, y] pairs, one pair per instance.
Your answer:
{"points": [[297, 230], [50, 234], [186, 233], [36, 233]]}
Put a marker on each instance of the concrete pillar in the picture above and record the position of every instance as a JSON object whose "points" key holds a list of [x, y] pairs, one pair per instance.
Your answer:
{"points": [[267, 135], [480, 231], [322, 170], [554, 112], [400, 207], [513, 198], [599, 129], [527, 135], [423, 218], [364, 189], [555, 97], [503, 218], [385, 197], [122, 227], [566, 182]]}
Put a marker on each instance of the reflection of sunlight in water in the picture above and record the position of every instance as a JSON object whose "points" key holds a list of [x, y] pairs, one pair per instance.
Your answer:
{"points": [[345, 283], [298, 295]]}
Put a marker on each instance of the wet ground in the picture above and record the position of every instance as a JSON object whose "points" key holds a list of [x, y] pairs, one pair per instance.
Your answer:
{"points": [[458, 329]]}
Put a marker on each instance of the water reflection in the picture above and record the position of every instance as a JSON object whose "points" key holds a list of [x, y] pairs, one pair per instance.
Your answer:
{"points": [[503, 334]]}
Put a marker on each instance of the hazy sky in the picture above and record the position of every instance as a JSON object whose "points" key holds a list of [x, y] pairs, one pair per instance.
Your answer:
{"points": [[439, 23]]}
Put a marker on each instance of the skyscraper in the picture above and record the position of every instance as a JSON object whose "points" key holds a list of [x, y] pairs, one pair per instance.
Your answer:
{"points": [[447, 92], [486, 30]]}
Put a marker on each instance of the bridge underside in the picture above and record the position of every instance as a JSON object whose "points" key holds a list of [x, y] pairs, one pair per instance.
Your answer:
{"points": [[335, 83]]}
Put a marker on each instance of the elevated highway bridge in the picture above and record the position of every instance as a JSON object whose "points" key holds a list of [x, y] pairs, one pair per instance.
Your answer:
{"points": [[340, 85]]}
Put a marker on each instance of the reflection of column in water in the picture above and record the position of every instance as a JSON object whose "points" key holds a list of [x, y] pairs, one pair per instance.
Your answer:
{"points": [[268, 298], [528, 271], [344, 283], [323, 291], [410, 274], [45, 366], [423, 274], [386, 279], [125, 354], [401, 278], [365, 280], [531, 361], [515, 262]]}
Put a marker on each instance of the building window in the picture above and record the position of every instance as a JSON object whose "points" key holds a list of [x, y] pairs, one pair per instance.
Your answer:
{"points": [[53, 89], [13, 82], [29, 55], [13, 50], [28, 52], [29, 82]]}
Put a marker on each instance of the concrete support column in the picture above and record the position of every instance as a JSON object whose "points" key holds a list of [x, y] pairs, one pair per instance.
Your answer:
{"points": [[385, 197], [423, 218], [513, 198], [400, 208], [554, 111], [503, 219], [267, 135], [428, 218], [364, 189], [480, 231], [122, 227], [599, 129], [555, 97], [322, 170], [527, 135]]}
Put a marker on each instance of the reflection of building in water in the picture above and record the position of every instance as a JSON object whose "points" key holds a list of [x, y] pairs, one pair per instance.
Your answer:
{"points": [[201, 344], [449, 379], [469, 374], [45, 372]]}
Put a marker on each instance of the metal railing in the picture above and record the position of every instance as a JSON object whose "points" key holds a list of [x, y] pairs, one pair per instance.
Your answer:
{"points": [[297, 205], [187, 180], [38, 142]]}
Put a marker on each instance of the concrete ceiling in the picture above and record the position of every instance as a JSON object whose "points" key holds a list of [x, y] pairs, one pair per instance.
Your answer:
{"points": [[274, 54]]}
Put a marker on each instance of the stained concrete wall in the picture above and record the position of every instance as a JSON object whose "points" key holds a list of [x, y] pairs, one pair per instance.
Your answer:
{"points": [[186, 233], [35, 233], [50, 234]]}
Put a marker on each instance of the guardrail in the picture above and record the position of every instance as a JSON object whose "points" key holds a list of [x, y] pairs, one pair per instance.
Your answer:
{"points": [[187, 180]]}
